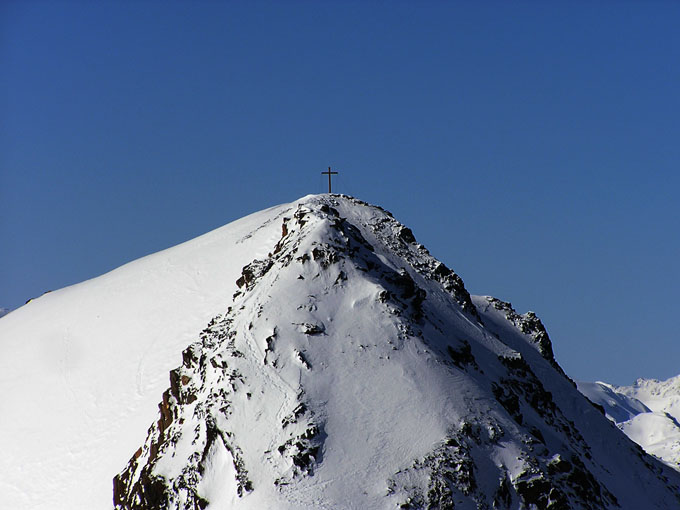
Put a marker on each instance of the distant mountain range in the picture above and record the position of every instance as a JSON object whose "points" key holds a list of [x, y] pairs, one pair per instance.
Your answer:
{"points": [[310, 356], [648, 412]]}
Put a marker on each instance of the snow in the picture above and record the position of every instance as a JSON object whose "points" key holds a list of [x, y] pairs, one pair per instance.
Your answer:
{"points": [[657, 434], [659, 396], [648, 412], [219, 486], [618, 407], [83, 370], [83, 367]]}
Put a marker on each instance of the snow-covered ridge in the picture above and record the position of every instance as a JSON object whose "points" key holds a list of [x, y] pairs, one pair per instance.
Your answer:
{"points": [[85, 365], [659, 396], [328, 384], [318, 357], [648, 412]]}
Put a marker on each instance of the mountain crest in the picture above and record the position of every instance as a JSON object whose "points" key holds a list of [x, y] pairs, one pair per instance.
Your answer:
{"points": [[352, 369]]}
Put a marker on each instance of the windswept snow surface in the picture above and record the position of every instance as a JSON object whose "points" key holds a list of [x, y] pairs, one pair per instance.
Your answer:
{"points": [[347, 369], [4, 311], [648, 412]]}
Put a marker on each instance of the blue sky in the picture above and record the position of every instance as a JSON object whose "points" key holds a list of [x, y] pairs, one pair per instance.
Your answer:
{"points": [[532, 146]]}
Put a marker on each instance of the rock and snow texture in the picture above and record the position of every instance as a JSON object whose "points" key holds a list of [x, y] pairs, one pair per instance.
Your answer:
{"points": [[648, 412], [82, 368], [353, 370], [318, 357]]}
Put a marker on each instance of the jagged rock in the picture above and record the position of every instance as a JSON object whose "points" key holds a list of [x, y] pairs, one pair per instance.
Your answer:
{"points": [[529, 324]]}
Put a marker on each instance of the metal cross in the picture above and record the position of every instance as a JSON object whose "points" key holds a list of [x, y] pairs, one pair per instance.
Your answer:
{"points": [[329, 173]]}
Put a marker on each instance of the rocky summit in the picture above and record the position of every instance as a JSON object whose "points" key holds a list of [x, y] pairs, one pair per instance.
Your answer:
{"points": [[350, 369]]}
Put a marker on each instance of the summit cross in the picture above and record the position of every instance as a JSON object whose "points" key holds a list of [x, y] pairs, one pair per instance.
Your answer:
{"points": [[329, 173]]}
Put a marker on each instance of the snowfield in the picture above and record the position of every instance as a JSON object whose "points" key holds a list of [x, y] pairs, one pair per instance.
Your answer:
{"points": [[312, 355], [648, 412], [82, 368]]}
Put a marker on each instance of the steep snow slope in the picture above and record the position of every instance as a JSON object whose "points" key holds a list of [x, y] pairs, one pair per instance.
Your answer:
{"points": [[648, 412], [347, 369], [82, 368], [353, 370]]}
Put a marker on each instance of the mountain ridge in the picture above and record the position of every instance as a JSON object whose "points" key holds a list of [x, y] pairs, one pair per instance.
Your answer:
{"points": [[302, 453], [347, 368], [648, 412]]}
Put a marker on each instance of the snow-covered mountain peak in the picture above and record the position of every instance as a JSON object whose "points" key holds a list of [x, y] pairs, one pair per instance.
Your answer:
{"points": [[666, 393], [318, 357], [321, 314], [354, 370]]}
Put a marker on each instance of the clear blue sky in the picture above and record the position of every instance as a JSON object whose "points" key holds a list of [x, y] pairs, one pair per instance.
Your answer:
{"points": [[532, 146]]}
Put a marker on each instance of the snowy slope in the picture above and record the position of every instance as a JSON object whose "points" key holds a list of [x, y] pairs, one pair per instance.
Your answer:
{"points": [[617, 406], [318, 357], [82, 368], [648, 412], [353, 370], [4, 311], [659, 396]]}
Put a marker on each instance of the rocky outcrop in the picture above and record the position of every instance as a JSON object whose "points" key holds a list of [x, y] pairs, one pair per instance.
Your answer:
{"points": [[529, 324]]}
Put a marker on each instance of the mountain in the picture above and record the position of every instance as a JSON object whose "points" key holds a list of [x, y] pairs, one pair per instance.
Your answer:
{"points": [[82, 368], [648, 412], [318, 357]]}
